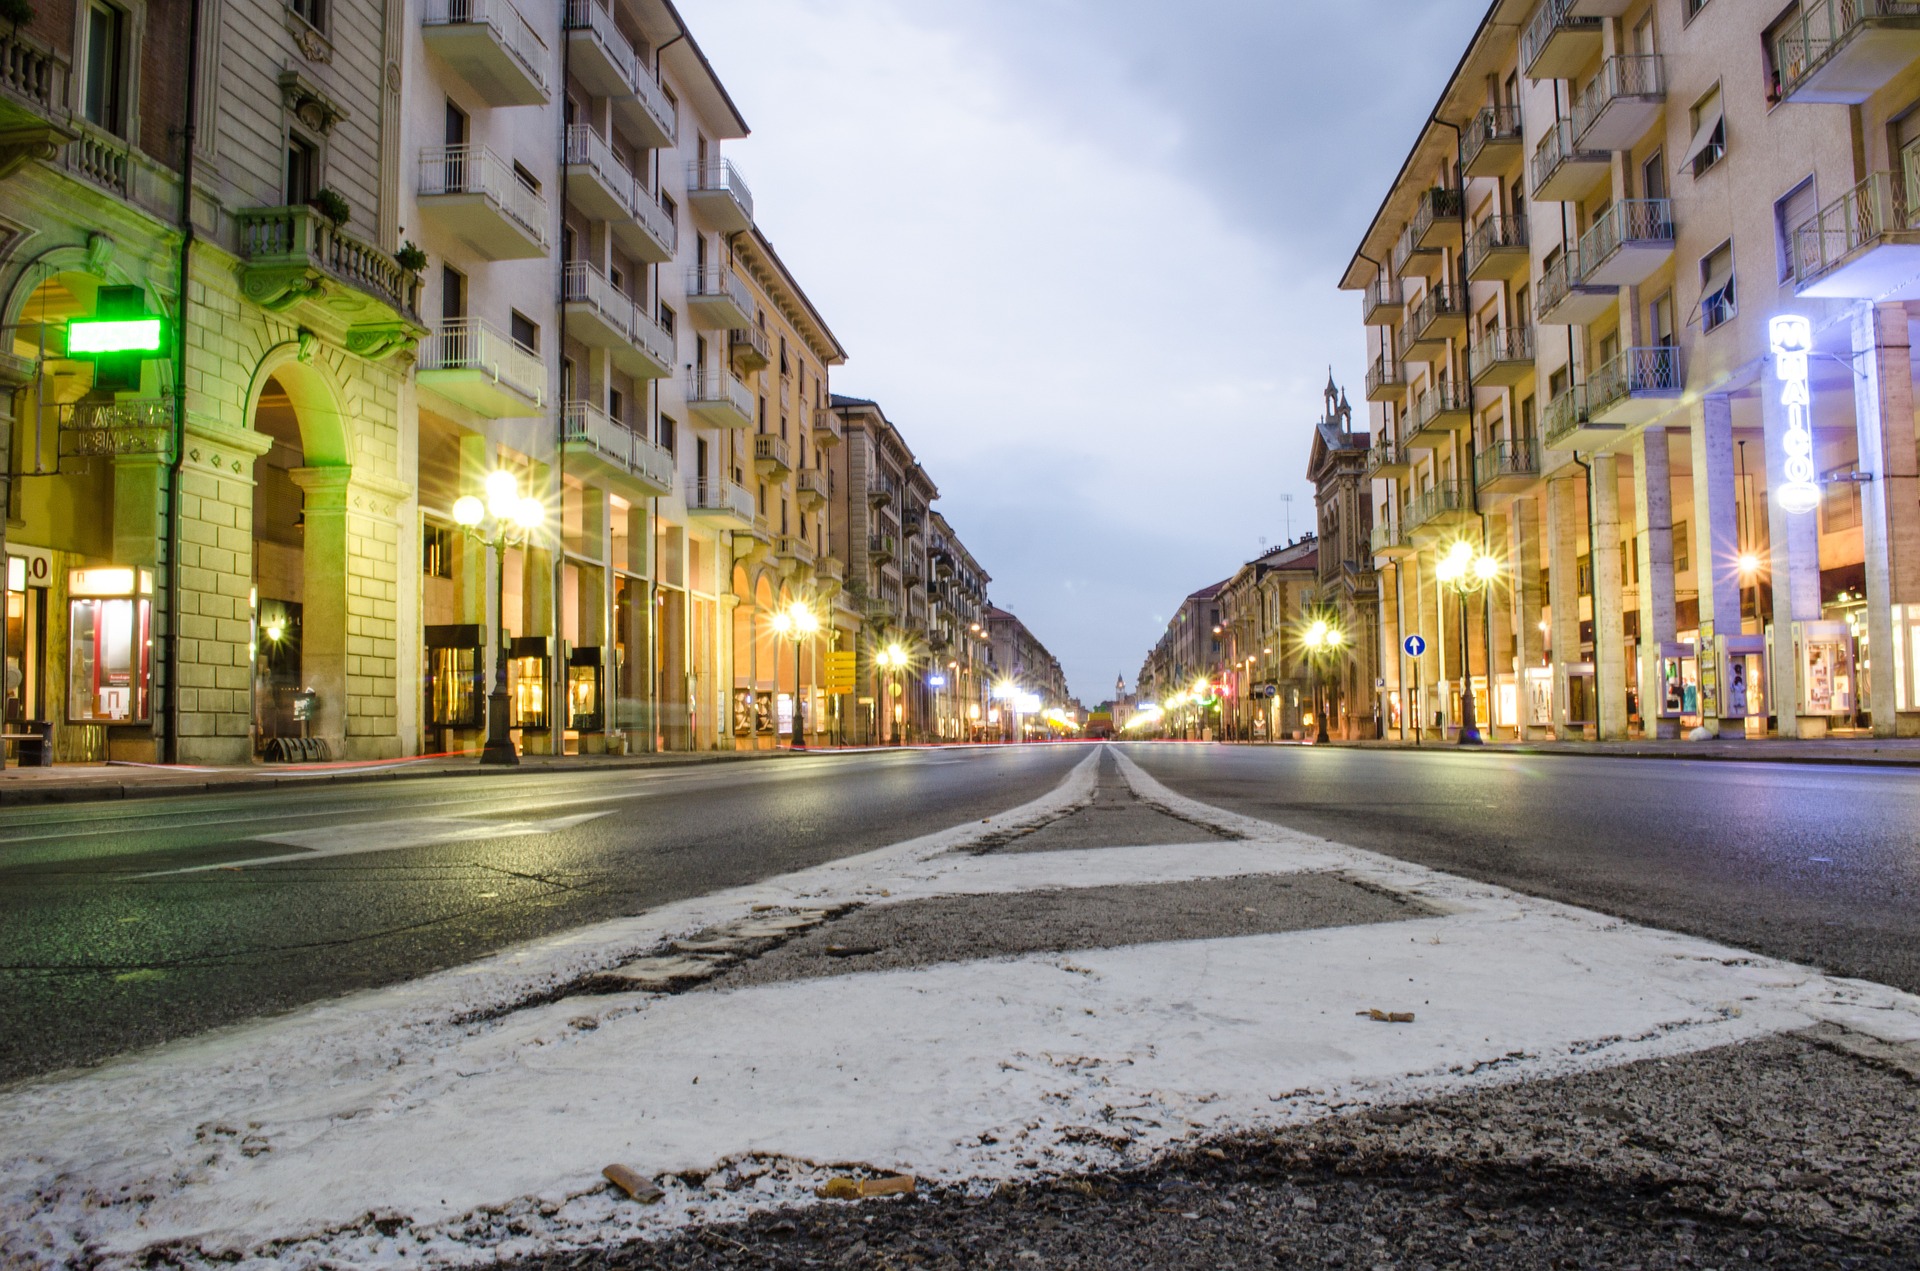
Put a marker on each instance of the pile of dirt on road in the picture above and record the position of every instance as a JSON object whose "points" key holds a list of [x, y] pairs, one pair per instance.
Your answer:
{"points": [[1782, 1153]]}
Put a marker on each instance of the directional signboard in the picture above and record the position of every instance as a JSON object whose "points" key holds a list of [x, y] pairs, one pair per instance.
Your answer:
{"points": [[1414, 645]]}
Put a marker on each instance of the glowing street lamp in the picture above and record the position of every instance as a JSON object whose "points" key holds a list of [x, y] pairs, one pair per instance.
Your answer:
{"points": [[1466, 569], [798, 622], [506, 517], [892, 659], [1324, 641]]}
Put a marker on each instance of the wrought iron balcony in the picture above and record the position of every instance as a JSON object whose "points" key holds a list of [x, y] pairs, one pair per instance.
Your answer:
{"points": [[719, 400], [1631, 240], [1502, 356], [493, 47], [719, 196], [1636, 386], [718, 300], [1506, 466], [1444, 408], [471, 362], [1863, 245], [1564, 297], [1557, 43], [724, 503], [1845, 50], [598, 55], [1497, 249], [1564, 170], [475, 195], [598, 183], [1491, 142], [1386, 379], [1620, 102], [1438, 507], [597, 441]]}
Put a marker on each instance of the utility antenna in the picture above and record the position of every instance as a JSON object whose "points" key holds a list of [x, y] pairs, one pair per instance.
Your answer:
{"points": [[1286, 501]]}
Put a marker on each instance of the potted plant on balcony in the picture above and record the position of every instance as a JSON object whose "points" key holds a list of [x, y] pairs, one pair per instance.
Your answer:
{"points": [[410, 257], [18, 12], [332, 205]]}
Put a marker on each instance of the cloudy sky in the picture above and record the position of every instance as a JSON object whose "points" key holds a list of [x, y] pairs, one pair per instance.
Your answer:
{"points": [[1083, 252]]}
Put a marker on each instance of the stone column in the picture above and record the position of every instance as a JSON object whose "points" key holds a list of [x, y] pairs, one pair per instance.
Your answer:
{"points": [[1497, 614], [1563, 593], [1890, 512], [1523, 555], [1433, 631], [1653, 545], [325, 641], [538, 614], [1609, 637], [1716, 545], [1793, 564]]}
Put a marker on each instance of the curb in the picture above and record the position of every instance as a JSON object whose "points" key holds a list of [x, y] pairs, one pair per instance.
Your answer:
{"points": [[1759, 756]]}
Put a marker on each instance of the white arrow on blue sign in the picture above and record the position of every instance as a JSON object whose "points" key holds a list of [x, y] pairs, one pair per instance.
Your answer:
{"points": [[1414, 645]]}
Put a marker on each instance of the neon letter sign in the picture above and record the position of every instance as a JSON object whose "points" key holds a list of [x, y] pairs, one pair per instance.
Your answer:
{"points": [[1792, 339]]}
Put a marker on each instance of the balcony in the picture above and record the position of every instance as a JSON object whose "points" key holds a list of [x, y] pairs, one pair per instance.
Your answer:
{"points": [[1846, 50], [646, 115], [1492, 142], [717, 300], [1631, 240], [719, 197], [1437, 218], [648, 353], [827, 428], [1382, 304], [772, 458], [793, 552], [471, 363], [597, 182], [1385, 459], [880, 490], [882, 548], [1565, 298], [721, 504], [1440, 507], [1557, 44], [473, 194], [1445, 408], [1411, 260], [1567, 424], [598, 314], [748, 349], [598, 56], [299, 263], [1564, 171], [491, 46], [811, 489], [1861, 246], [1390, 541], [647, 231], [719, 400], [830, 569], [1497, 249], [1502, 357], [1623, 99], [1506, 467], [1386, 379], [1636, 386], [1440, 315], [599, 445], [879, 610]]}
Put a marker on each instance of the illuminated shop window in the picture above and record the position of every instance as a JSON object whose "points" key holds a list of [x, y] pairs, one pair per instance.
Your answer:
{"points": [[109, 645]]}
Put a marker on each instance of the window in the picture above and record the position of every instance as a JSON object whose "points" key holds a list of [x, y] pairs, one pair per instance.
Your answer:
{"points": [[1709, 143], [666, 319], [525, 331], [669, 435], [1784, 51], [1653, 176], [1789, 214], [1682, 561], [1693, 7], [1839, 506], [1717, 299], [303, 170], [616, 406], [104, 99], [525, 177], [312, 12], [436, 552], [453, 294], [1660, 333]]}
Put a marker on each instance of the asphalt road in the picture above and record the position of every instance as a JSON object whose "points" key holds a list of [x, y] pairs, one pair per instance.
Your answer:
{"points": [[1814, 863], [127, 924]]}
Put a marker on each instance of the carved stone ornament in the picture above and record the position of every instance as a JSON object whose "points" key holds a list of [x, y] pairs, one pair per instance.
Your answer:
{"points": [[100, 250], [309, 103], [277, 289], [313, 46], [378, 341], [18, 146]]}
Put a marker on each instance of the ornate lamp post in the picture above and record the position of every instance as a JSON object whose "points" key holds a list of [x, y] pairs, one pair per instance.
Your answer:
{"points": [[505, 518], [1466, 569], [890, 660], [798, 622], [1324, 642]]}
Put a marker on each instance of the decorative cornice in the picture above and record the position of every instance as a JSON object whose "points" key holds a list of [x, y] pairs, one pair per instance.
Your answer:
{"points": [[309, 102]]}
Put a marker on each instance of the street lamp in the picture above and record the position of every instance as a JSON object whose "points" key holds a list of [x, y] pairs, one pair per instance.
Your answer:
{"points": [[798, 622], [505, 517], [1466, 569], [890, 659], [1323, 641]]}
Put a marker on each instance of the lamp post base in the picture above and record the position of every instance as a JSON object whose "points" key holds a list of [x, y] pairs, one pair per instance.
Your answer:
{"points": [[499, 747]]}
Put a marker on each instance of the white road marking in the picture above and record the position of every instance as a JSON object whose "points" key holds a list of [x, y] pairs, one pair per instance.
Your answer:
{"points": [[388, 836]]}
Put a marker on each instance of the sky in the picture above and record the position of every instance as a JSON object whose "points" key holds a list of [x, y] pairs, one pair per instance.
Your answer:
{"points": [[1084, 254]]}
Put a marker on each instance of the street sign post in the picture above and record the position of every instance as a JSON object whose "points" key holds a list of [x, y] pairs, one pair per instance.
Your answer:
{"points": [[1415, 645]]}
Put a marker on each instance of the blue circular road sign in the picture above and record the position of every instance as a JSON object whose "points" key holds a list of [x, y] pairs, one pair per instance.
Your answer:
{"points": [[1414, 645]]}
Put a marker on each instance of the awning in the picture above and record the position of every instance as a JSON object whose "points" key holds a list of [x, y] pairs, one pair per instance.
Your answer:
{"points": [[1704, 135]]}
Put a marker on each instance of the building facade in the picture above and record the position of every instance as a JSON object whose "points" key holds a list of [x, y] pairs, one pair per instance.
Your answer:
{"points": [[1637, 324], [1347, 592]]}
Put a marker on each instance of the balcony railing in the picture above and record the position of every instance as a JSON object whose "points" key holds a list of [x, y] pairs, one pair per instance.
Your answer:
{"points": [[1382, 302], [1385, 378], [883, 546], [1440, 403], [1439, 500], [655, 220], [1558, 149], [283, 242], [773, 451], [1638, 80], [30, 73], [1503, 459], [581, 283], [654, 101], [719, 176], [1858, 220], [1384, 457], [471, 344], [587, 148], [478, 170], [583, 422], [720, 283], [813, 485], [1498, 347], [724, 497], [749, 348], [1561, 281], [1436, 206], [509, 29], [720, 387], [1436, 307], [591, 17], [1808, 46], [1629, 221], [1634, 373], [1493, 236], [1553, 24], [794, 548], [1565, 415], [1496, 126]]}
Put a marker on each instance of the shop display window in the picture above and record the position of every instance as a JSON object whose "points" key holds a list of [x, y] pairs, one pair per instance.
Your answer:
{"points": [[109, 645], [583, 690], [456, 696], [527, 663]]}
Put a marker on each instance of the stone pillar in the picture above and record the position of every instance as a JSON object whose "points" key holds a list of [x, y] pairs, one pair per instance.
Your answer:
{"points": [[1609, 637], [1433, 630], [1563, 593], [1890, 512], [1716, 545], [538, 614], [472, 576], [1497, 614], [325, 644], [1653, 545], [1523, 555], [1793, 564]]}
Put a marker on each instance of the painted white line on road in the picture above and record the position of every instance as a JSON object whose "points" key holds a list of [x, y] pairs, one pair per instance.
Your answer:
{"points": [[388, 836]]}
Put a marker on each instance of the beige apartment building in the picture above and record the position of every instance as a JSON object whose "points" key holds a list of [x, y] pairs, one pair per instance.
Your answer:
{"points": [[1271, 685], [1637, 326]]}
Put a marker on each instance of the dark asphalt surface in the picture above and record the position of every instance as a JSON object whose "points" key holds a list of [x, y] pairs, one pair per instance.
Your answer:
{"points": [[104, 952], [1816, 864]]}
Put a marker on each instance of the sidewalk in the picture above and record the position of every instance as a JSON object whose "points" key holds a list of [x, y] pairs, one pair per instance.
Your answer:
{"points": [[86, 783], [1902, 752]]}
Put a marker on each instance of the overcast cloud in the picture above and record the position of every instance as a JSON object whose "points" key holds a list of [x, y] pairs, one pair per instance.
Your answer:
{"points": [[1083, 252]]}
